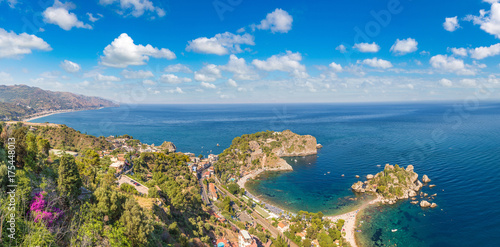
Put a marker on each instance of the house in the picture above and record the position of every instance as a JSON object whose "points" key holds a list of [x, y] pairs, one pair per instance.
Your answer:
{"points": [[194, 159], [222, 242], [189, 154], [212, 192], [302, 235], [117, 164], [283, 226], [244, 239], [213, 158]]}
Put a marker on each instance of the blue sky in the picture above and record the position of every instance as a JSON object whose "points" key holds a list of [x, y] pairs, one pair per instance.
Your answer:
{"points": [[240, 51]]}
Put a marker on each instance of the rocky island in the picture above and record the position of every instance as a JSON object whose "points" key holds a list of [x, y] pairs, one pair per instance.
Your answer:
{"points": [[263, 151], [394, 183]]}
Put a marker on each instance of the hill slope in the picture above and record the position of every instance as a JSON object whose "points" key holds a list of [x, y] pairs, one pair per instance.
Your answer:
{"points": [[20, 100]]}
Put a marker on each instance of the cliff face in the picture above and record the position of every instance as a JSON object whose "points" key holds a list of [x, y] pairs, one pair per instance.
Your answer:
{"points": [[263, 150]]}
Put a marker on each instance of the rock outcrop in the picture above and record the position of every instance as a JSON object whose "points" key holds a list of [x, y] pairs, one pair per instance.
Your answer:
{"points": [[425, 179], [425, 204], [169, 146]]}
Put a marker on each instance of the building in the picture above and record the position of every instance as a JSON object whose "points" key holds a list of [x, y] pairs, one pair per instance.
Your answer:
{"points": [[117, 164], [283, 226], [212, 192], [244, 239], [213, 158], [223, 243]]}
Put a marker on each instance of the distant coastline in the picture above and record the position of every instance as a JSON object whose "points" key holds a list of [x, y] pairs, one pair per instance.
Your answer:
{"points": [[49, 113]]}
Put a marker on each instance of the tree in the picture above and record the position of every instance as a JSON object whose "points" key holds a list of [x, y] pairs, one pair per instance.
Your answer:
{"points": [[280, 242], [92, 162], [137, 227], [19, 135], [69, 181], [109, 203]]}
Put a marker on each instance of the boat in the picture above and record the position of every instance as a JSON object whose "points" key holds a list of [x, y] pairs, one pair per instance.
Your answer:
{"points": [[394, 230]]}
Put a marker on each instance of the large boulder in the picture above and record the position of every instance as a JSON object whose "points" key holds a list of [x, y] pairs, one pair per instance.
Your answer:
{"points": [[433, 205], [412, 193], [388, 167], [169, 146], [369, 176], [416, 186], [425, 179], [409, 168], [425, 204], [358, 187]]}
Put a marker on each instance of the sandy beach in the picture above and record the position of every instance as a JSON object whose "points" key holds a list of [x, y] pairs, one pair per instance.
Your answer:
{"points": [[45, 114]]}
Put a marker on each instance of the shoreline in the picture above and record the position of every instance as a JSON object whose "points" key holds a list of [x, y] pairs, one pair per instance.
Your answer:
{"points": [[350, 218], [46, 114]]}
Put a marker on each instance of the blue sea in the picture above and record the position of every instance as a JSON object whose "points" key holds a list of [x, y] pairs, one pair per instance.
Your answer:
{"points": [[456, 144]]}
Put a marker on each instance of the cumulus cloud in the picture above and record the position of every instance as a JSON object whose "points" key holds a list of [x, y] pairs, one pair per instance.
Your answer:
{"points": [[139, 74], [450, 64], [93, 18], [174, 68], [277, 21], [176, 90], [445, 82], [462, 52], [485, 51], [377, 63], [289, 62], [14, 45], [240, 69], [220, 44], [135, 8], [451, 24], [122, 52], [59, 15], [208, 85], [367, 47], [149, 82], [173, 79], [69, 66], [468, 82], [335, 67], [404, 46], [100, 77], [489, 21], [232, 83], [209, 72], [341, 48]]}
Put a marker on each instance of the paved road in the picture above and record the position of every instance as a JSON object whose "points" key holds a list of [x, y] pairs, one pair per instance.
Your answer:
{"points": [[125, 179], [263, 222]]}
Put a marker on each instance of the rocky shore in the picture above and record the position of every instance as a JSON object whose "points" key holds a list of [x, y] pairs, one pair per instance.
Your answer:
{"points": [[395, 183]]}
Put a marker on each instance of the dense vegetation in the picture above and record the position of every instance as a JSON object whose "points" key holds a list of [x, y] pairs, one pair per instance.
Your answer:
{"points": [[65, 138], [50, 209], [23, 100]]}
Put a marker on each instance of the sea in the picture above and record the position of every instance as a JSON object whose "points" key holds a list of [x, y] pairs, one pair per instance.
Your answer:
{"points": [[457, 144]]}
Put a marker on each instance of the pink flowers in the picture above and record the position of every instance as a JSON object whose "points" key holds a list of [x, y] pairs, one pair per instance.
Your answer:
{"points": [[38, 210]]}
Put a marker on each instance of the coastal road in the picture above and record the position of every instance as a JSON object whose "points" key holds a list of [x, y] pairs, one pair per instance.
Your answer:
{"points": [[263, 222], [141, 188]]}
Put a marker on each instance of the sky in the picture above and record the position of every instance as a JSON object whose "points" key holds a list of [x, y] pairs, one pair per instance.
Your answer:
{"points": [[241, 51]]}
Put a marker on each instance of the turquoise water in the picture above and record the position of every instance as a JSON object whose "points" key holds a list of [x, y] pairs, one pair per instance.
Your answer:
{"points": [[457, 146]]}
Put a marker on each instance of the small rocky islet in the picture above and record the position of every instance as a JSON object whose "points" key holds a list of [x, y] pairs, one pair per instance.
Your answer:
{"points": [[396, 183]]}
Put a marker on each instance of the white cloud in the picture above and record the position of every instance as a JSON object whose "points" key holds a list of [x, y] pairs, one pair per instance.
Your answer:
{"points": [[174, 68], [70, 67], [289, 62], [148, 82], [100, 77], [176, 90], [489, 21], [93, 18], [232, 83], [459, 52], [173, 79], [209, 72], [220, 44], [5, 77], [14, 45], [468, 82], [59, 15], [450, 64], [122, 52], [451, 24], [277, 21], [208, 85], [240, 69], [135, 8], [377, 63], [341, 48], [12, 3], [484, 52], [445, 82], [404, 46], [139, 74], [335, 67], [367, 47]]}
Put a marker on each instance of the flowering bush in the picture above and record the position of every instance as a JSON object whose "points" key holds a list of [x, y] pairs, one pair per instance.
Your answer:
{"points": [[40, 214]]}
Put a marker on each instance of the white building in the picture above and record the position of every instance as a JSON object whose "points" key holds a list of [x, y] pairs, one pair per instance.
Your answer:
{"points": [[244, 239]]}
